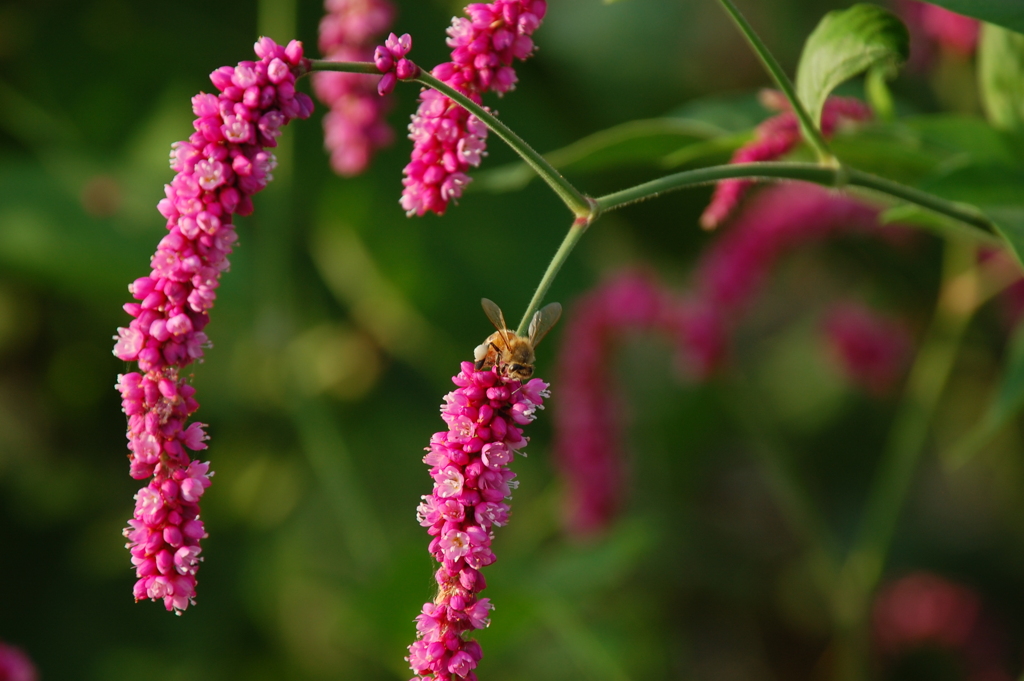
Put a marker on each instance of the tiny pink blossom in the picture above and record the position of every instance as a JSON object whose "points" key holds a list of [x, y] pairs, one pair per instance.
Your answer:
{"points": [[390, 60], [129, 342], [455, 545], [195, 437], [461, 664], [449, 482]]}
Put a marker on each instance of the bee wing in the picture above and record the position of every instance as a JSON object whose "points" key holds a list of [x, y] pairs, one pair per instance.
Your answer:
{"points": [[493, 313], [542, 321]]}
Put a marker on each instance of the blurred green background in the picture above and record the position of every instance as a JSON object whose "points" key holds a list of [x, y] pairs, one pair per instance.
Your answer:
{"points": [[336, 333]]}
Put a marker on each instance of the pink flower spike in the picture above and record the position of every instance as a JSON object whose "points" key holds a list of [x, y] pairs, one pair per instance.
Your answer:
{"points": [[217, 171], [355, 128], [471, 482], [447, 141]]}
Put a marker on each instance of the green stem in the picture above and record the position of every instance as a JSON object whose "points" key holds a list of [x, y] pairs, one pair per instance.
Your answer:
{"points": [[367, 67], [957, 302], [823, 555], [571, 196], [810, 131], [573, 199], [579, 226], [807, 172], [794, 501]]}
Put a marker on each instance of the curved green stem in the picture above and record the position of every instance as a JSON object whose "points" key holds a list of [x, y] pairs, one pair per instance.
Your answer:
{"points": [[810, 131], [571, 196], [807, 172], [573, 199], [579, 226]]}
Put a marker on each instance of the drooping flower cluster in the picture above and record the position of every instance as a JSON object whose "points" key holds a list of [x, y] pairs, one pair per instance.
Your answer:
{"points": [[219, 168], [354, 128], [727, 278], [588, 421], [447, 140], [15, 665], [469, 464], [773, 139], [777, 220], [923, 610], [872, 350]]}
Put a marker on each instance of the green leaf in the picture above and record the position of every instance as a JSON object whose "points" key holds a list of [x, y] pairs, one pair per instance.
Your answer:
{"points": [[892, 150], [1001, 76], [733, 112], [970, 137], [845, 44], [1006, 13], [878, 94], [721, 146], [1009, 221], [643, 142]]}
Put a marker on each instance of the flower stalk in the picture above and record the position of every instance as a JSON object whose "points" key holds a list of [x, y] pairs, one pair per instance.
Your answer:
{"points": [[810, 131], [588, 209]]}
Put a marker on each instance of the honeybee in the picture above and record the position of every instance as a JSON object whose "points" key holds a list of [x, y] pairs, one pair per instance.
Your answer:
{"points": [[513, 354]]}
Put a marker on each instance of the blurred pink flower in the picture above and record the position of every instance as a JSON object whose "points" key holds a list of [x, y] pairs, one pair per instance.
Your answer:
{"points": [[773, 139], [218, 168], [1011, 300], [354, 128], [872, 350], [933, 29], [589, 417], [472, 482], [15, 665], [777, 219], [925, 610]]}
